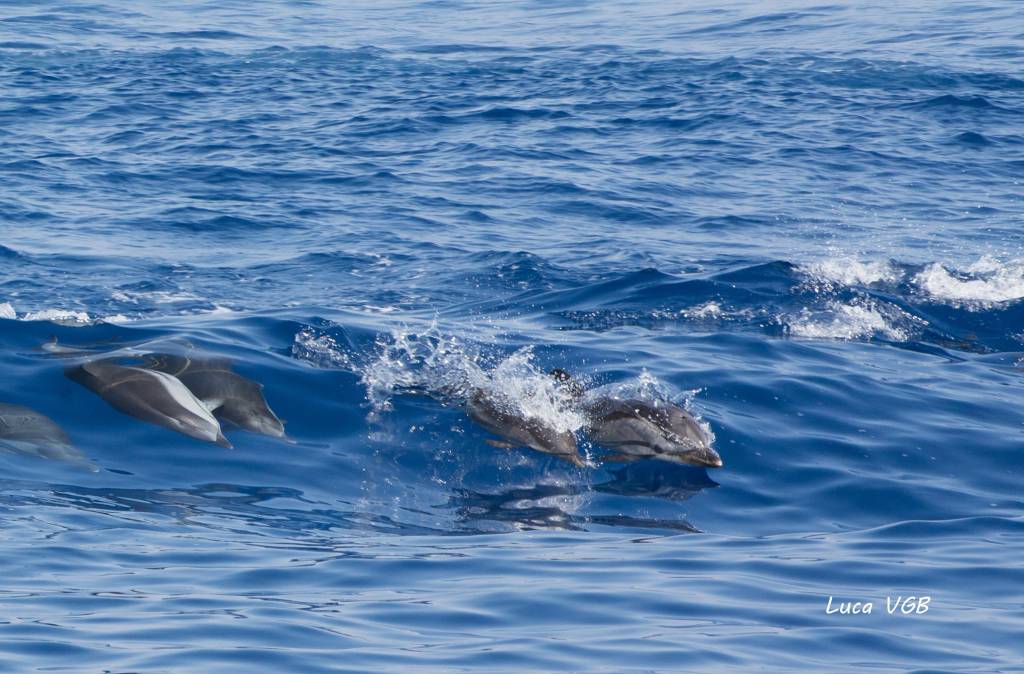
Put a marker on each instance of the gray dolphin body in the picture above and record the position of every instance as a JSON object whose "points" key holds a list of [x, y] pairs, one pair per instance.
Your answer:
{"points": [[639, 429], [520, 431], [229, 395], [156, 397], [25, 431]]}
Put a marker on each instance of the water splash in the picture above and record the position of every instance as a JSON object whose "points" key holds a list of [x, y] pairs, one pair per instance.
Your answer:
{"points": [[859, 319], [447, 367], [982, 285], [850, 271]]}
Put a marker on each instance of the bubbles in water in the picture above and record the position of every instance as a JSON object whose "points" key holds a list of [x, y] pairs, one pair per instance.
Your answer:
{"points": [[319, 349]]}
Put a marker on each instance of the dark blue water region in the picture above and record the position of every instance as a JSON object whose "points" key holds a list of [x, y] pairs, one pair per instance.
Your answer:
{"points": [[800, 222]]}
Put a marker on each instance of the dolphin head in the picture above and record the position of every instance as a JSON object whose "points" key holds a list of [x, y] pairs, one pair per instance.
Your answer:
{"points": [[703, 456], [253, 414], [563, 445], [263, 420], [687, 441]]}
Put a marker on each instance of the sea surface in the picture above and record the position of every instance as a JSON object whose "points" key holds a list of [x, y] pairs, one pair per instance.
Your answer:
{"points": [[803, 221]]}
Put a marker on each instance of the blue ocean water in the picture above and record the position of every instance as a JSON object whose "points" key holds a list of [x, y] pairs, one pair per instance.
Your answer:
{"points": [[802, 221]]}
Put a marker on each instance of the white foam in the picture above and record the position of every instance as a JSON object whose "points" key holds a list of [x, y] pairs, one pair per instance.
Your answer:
{"points": [[988, 281], [859, 320], [58, 316], [155, 296], [708, 310], [850, 271], [7, 311]]}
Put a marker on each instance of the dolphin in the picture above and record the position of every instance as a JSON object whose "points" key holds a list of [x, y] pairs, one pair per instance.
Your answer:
{"points": [[156, 397], [25, 431], [229, 395], [519, 431], [640, 429]]}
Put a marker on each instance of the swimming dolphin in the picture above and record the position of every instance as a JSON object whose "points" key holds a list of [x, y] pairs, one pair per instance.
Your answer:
{"points": [[519, 431], [156, 397], [229, 395], [25, 431], [639, 429]]}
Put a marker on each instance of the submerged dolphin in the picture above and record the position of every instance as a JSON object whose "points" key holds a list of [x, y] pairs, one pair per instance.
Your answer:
{"points": [[638, 429], [229, 395], [156, 397], [25, 431], [518, 430]]}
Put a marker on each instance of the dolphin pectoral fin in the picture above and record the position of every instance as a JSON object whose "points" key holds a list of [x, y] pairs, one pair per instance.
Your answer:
{"points": [[500, 443], [223, 442], [618, 458]]}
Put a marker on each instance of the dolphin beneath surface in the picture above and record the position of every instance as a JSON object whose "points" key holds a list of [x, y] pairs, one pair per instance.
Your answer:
{"points": [[229, 395], [639, 429], [518, 430], [25, 431], [156, 397]]}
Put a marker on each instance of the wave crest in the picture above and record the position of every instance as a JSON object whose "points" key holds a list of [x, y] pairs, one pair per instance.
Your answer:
{"points": [[983, 284]]}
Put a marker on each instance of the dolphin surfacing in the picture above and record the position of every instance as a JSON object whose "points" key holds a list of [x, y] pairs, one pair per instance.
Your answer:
{"points": [[637, 429], [229, 395], [155, 397], [25, 431], [640, 429]]}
